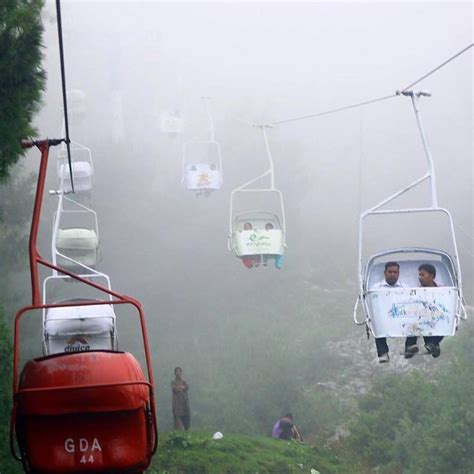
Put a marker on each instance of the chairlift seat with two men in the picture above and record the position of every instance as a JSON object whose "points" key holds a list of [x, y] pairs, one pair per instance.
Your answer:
{"points": [[79, 328], [412, 310], [258, 233]]}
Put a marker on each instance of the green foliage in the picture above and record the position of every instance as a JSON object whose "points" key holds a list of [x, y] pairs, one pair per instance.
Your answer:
{"points": [[15, 211], [16, 197], [21, 76], [197, 452], [247, 369], [414, 425], [7, 463]]}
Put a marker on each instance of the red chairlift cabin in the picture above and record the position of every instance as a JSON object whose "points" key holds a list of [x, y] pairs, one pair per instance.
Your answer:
{"points": [[90, 411]]}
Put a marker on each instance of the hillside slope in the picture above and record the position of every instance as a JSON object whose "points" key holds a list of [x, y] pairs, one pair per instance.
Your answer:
{"points": [[197, 452]]}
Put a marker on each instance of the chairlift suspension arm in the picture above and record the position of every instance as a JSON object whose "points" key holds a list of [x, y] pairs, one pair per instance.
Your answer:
{"points": [[397, 194], [244, 186], [269, 172], [270, 158], [209, 116], [426, 148], [57, 219], [43, 146]]}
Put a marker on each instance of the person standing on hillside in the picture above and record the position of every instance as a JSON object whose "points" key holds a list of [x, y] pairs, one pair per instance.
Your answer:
{"points": [[181, 411]]}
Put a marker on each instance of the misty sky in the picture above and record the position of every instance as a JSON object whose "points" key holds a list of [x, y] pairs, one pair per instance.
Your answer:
{"points": [[270, 61]]}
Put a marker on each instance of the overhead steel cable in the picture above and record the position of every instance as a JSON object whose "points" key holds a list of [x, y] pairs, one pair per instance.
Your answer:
{"points": [[63, 81], [373, 101], [438, 67], [339, 109]]}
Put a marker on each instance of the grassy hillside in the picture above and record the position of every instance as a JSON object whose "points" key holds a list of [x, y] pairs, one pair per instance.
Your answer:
{"points": [[197, 452]]}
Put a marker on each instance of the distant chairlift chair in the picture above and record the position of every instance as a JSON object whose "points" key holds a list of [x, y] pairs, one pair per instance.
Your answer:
{"points": [[75, 247], [204, 176], [82, 169], [264, 240], [171, 123], [81, 245], [79, 328]]}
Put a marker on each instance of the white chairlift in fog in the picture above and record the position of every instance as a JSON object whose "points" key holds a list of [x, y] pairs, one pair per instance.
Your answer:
{"points": [[77, 112], [411, 310], [82, 169], [75, 248], [202, 162], [76, 100], [171, 123], [259, 235], [73, 328]]}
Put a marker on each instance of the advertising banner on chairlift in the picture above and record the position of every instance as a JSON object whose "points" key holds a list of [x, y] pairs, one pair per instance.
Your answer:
{"points": [[259, 242], [201, 176], [405, 312]]}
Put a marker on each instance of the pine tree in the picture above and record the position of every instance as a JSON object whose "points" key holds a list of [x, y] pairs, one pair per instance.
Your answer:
{"points": [[22, 78]]}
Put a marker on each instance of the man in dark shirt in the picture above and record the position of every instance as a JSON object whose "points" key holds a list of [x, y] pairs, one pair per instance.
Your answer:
{"points": [[181, 411], [426, 277]]}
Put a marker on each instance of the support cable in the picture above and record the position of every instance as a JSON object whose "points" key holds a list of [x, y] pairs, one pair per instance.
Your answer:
{"points": [[339, 109], [63, 82], [438, 67], [379, 99]]}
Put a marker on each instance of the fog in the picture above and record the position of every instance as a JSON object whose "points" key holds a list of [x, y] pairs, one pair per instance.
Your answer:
{"points": [[258, 62]]}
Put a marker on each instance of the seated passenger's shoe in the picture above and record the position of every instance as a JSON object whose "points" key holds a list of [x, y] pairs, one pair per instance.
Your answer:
{"points": [[384, 358], [410, 351], [433, 349]]}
